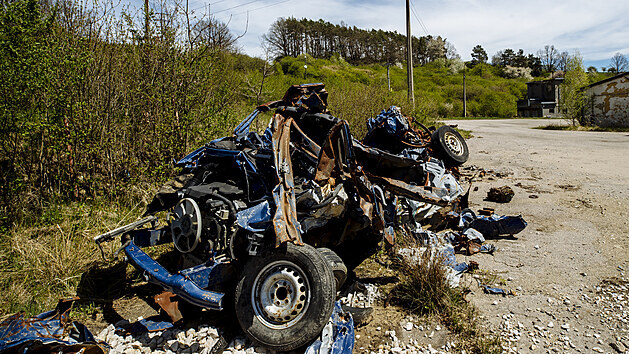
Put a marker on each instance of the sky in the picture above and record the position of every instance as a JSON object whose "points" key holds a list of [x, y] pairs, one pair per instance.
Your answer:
{"points": [[597, 29]]}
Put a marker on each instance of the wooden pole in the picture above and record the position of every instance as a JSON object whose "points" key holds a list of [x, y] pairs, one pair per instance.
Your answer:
{"points": [[146, 20], [409, 56], [464, 95]]}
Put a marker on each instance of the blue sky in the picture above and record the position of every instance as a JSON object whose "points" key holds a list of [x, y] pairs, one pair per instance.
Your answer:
{"points": [[597, 29]]}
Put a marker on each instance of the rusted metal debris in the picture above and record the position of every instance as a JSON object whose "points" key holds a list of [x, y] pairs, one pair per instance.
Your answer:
{"points": [[170, 304], [240, 200], [48, 332]]}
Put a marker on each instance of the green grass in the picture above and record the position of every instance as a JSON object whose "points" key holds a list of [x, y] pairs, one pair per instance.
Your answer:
{"points": [[44, 260], [490, 118], [581, 128]]}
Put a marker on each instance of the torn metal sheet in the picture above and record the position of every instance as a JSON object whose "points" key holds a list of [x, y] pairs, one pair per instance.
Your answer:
{"points": [[496, 225], [285, 219], [168, 302], [423, 194], [48, 332], [496, 291], [256, 218], [337, 336], [143, 325]]}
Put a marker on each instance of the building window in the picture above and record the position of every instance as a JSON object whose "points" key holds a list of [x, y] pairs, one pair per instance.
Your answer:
{"points": [[551, 110]]}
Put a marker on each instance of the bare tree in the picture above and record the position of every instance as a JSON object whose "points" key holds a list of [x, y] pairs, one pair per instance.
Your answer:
{"points": [[619, 62], [278, 38], [214, 33], [562, 61], [549, 57], [451, 52]]}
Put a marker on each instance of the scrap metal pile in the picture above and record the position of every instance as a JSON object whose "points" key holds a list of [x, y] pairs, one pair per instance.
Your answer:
{"points": [[276, 220]]}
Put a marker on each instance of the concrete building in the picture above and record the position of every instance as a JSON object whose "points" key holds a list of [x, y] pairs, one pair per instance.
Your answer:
{"points": [[607, 103], [542, 99]]}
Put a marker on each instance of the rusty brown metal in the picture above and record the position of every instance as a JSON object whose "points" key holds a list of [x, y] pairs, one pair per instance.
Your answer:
{"points": [[419, 193], [310, 96], [333, 155], [307, 145], [169, 303], [285, 218]]}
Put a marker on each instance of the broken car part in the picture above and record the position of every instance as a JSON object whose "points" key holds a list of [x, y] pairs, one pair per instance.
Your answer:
{"points": [[279, 217], [48, 332]]}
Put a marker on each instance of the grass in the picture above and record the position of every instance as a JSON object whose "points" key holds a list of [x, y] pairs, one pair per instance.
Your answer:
{"points": [[47, 259], [491, 118], [582, 128], [424, 290]]}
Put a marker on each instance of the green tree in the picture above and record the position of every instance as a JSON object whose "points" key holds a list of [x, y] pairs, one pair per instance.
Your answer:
{"points": [[572, 95], [479, 55]]}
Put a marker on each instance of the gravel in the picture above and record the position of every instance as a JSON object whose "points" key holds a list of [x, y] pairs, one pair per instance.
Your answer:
{"points": [[192, 340], [204, 337]]}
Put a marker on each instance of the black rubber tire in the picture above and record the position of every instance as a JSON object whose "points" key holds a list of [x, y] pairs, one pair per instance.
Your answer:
{"points": [[300, 265], [450, 146], [336, 265]]}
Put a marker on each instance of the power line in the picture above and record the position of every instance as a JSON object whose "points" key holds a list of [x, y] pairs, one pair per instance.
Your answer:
{"points": [[233, 7], [237, 6], [421, 23], [261, 7], [419, 20]]}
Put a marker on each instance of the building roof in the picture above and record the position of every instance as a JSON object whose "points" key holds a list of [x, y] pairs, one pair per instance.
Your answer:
{"points": [[546, 81], [607, 80]]}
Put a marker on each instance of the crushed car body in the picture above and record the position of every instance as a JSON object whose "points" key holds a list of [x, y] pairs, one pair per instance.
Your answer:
{"points": [[275, 220]]}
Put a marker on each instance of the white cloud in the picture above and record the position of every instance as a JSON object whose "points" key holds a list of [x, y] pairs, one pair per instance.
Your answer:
{"points": [[596, 29]]}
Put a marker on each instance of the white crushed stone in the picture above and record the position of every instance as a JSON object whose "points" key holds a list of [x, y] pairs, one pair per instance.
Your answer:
{"points": [[192, 340]]}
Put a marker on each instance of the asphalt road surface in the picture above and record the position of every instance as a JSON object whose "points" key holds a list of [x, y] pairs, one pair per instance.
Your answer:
{"points": [[569, 266]]}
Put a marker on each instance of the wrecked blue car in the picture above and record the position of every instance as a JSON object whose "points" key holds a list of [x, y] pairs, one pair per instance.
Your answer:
{"points": [[274, 220]]}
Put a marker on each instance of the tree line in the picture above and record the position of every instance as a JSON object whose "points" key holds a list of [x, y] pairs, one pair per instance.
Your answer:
{"points": [[291, 37]]}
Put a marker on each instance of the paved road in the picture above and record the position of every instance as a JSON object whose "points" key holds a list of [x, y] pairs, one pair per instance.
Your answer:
{"points": [[573, 189]]}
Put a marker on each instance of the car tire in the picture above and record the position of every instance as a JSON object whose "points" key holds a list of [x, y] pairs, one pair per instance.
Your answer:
{"points": [[450, 146], [285, 298], [338, 268]]}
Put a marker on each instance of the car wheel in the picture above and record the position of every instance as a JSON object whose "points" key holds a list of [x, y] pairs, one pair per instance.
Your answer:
{"points": [[338, 268], [450, 146], [284, 299]]}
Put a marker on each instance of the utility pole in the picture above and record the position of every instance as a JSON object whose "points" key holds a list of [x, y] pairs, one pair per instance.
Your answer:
{"points": [[409, 56], [146, 20], [464, 94]]}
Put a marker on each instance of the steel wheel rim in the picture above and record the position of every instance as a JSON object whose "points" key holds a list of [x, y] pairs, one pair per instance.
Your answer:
{"points": [[280, 294], [453, 143]]}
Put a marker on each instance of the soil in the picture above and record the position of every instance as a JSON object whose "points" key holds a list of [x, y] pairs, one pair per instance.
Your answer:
{"points": [[572, 187]]}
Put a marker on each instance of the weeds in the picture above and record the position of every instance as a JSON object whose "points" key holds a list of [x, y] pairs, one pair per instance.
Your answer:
{"points": [[583, 128], [424, 289], [43, 261]]}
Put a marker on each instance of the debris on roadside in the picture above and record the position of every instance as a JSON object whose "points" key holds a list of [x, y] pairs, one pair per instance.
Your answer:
{"points": [[502, 194], [252, 214], [280, 218], [48, 332], [496, 291], [337, 336]]}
